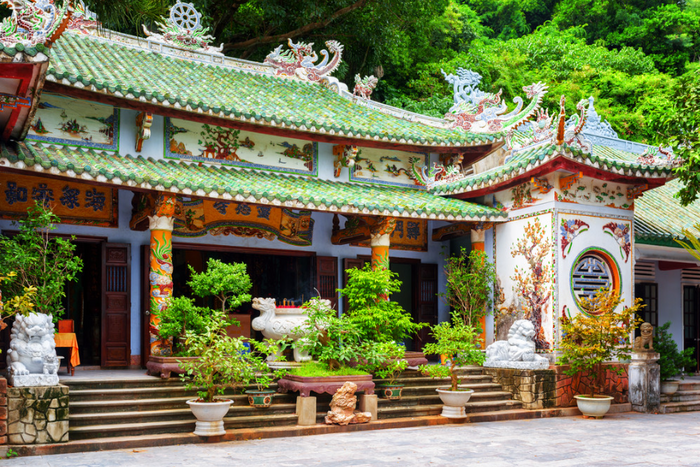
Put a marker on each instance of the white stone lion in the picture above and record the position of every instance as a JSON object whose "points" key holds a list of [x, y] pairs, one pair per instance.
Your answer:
{"points": [[31, 359], [518, 351]]}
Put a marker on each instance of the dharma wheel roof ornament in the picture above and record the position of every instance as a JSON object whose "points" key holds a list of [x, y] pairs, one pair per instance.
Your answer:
{"points": [[32, 22], [300, 60], [481, 112], [183, 29]]}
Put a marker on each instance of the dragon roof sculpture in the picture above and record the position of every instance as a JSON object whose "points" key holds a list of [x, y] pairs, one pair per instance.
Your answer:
{"points": [[300, 60], [183, 29], [595, 125], [82, 20], [32, 22], [481, 112]]}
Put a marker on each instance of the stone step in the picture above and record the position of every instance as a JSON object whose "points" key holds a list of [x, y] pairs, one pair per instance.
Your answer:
{"points": [[120, 383], [435, 398], [686, 385], [681, 396], [430, 389], [673, 407]]}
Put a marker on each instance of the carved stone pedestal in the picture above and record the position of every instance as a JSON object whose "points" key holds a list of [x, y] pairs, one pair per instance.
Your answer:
{"points": [[645, 382], [37, 415], [368, 403]]}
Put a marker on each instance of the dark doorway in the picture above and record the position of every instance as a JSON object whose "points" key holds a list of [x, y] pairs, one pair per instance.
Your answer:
{"points": [[83, 303], [405, 296], [691, 321]]}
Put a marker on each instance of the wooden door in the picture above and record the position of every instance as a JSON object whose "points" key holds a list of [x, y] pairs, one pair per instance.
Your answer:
{"points": [[425, 301], [116, 305], [691, 320], [145, 304], [327, 278]]}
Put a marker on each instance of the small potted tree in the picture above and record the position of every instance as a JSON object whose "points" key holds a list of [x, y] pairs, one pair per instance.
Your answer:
{"points": [[461, 341], [261, 396], [385, 361], [597, 335], [672, 362]]}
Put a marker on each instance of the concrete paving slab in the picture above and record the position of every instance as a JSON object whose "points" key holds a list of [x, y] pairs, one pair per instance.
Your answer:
{"points": [[617, 440]]}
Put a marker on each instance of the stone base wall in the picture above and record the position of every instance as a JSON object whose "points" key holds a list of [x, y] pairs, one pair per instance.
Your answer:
{"points": [[543, 389], [37, 415], [536, 389], [3, 410], [569, 386]]}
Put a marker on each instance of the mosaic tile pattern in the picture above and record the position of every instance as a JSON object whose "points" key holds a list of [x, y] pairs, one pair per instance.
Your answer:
{"points": [[659, 216]]}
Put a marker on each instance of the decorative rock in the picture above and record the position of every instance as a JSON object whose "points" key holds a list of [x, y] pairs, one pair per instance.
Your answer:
{"points": [[343, 407], [31, 359], [518, 351]]}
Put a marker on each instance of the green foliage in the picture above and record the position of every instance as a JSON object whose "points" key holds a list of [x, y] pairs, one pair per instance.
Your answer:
{"points": [[22, 304], [457, 340], [692, 245], [375, 317], [229, 283], [672, 362], [317, 369], [11, 453], [588, 340], [471, 284], [40, 261]]}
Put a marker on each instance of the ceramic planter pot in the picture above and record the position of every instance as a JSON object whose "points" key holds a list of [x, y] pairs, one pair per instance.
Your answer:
{"points": [[261, 399], [454, 402], [669, 387], [391, 392], [594, 407], [210, 416]]}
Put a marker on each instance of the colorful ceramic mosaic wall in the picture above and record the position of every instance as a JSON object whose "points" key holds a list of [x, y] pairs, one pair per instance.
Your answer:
{"points": [[386, 167], [64, 120], [73, 202], [210, 143]]}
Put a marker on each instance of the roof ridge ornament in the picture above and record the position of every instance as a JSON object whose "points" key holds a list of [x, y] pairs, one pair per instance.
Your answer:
{"points": [[482, 112], [183, 29], [299, 60], [595, 125], [364, 86], [32, 22], [652, 157], [82, 20]]}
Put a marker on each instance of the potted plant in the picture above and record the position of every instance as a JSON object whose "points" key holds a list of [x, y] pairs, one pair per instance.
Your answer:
{"points": [[228, 284], [672, 362], [261, 397], [460, 340], [388, 366], [599, 334]]}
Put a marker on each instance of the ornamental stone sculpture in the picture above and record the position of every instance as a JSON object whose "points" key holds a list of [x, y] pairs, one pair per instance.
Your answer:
{"points": [[31, 359], [518, 351], [343, 407], [645, 342]]}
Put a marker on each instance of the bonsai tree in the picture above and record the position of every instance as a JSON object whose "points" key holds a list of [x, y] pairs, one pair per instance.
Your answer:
{"points": [[471, 284], [228, 283], [457, 339], [672, 362], [597, 335], [39, 261], [377, 318], [385, 361]]}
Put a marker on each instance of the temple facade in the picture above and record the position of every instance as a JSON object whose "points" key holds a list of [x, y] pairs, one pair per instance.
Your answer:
{"points": [[161, 152]]}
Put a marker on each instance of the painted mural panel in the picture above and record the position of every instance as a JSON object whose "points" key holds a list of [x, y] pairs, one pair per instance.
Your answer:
{"points": [[537, 190], [386, 167], [196, 218], [595, 251], [63, 120], [578, 189], [210, 143], [72, 202], [411, 235], [525, 265]]}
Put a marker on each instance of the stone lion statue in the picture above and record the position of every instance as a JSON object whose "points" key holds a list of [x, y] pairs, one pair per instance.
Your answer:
{"points": [[645, 342], [31, 359], [343, 407], [518, 351]]}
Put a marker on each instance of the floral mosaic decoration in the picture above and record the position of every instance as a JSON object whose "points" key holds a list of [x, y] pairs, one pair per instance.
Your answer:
{"points": [[570, 229], [621, 233], [183, 28], [31, 22]]}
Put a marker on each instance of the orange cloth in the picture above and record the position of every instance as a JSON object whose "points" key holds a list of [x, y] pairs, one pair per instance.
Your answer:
{"points": [[68, 339]]}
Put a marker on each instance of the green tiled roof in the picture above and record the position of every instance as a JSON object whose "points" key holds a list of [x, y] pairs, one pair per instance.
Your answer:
{"points": [[259, 187], [602, 157], [659, 216], [20, 48], [130, 72]]}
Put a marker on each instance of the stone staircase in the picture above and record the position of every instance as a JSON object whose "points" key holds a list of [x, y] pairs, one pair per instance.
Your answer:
{"points": [[686, 399], [149, 406]]}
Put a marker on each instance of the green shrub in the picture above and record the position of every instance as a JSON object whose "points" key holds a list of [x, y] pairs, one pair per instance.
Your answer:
{"points": [[672, 362]]}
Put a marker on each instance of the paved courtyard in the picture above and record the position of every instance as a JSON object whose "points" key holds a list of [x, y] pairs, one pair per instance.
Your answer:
{"points": [[622, 439]]}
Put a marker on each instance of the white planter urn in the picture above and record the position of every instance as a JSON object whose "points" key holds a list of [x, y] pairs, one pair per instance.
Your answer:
{"points": [[669, 387], [454, 402], [210, 416], [595, 407]]}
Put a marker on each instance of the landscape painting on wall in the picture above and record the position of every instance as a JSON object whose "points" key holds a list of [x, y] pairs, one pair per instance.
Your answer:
{"points": [[63, 120], [211, 143], [387, 167]]}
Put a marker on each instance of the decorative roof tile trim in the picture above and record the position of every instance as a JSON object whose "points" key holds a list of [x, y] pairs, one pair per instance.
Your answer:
{"points": [[239, 185], [98, 65], [602, 158]]}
